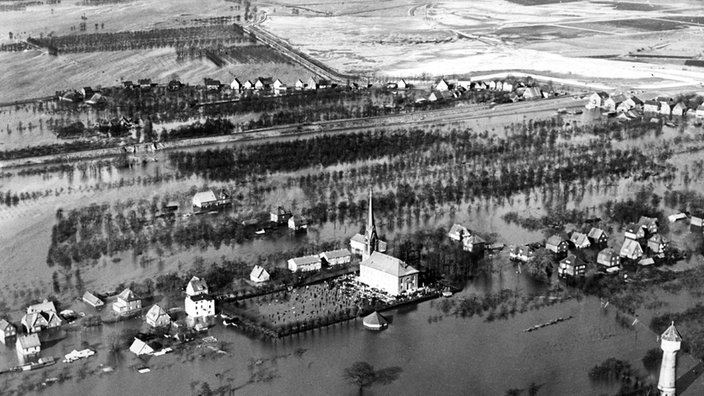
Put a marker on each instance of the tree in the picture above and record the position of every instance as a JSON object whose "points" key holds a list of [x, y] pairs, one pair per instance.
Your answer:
{"points": [[540, 267], [363, 375]]}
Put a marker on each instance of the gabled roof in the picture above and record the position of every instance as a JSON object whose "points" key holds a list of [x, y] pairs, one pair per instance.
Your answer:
{"points": [[572, 261], [619, 98], [29, 341], [652, 102], [197, 285], [388, 264], [298, 219], [636, 100], [473, 239], [359, 238], [630, 247], [458, 229], [90, 298], [140, 347], [128, 295], [604, 257], [671, 334], [156, 313], [596, 233], [645, 221], [258, 272], [205, 196], [4, 324], [554, 240], [579, 239], [333, 254], [44, 306], [306, 260]]}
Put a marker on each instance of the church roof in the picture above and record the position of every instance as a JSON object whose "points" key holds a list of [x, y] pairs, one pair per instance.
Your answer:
{"points": [[388, 264], [374, 319], [671, 334]]}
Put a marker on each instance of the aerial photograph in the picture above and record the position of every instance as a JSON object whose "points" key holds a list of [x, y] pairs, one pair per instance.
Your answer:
{"points": [[361, 197]]}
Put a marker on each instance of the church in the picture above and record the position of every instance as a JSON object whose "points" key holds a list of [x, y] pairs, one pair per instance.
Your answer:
{"points": [[380, 270]]}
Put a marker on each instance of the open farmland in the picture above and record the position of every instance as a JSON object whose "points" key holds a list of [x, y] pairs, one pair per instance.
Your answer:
{"points": [[456, 38]]}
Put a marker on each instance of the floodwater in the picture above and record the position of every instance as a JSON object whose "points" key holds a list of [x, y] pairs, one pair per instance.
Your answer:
{"points": [[439, 354]]}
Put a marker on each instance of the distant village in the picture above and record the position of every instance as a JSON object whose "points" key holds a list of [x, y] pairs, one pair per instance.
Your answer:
{"points": [[629, 106]]}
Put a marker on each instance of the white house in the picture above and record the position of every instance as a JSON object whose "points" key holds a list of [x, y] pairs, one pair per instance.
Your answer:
{"points": [[205, 200], [596, 100], [651, 106], [388, 273], [28, 346], [263, 83], [236, 85], [631, 250], [580, 241], [258, 274], [609, 259], [156, 317], [679, 109], [248, 85], [442, 85], [41, 316], [507, 87], [665, 108], [90, 299], [305, 263], [198, 304], [127, 302], [279, 87], [597, 236], [358, 243], [312, 84], [299, 85], [140, 347], [337, 257], [297, 223], [521, 253], [401, 84], [196, 286], [457, 231], [532, 93], [7, 331]]}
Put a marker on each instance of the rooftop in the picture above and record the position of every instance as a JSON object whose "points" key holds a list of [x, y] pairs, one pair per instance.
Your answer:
{"points": [[388, 264]]}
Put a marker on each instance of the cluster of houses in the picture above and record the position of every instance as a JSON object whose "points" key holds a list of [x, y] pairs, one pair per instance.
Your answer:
{"points": [[630, 106], [516, 90], [85, 94], [470, 241], [642, 244]]}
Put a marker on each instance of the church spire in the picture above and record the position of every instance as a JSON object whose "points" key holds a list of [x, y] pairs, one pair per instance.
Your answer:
{"points": [[372, 238]]}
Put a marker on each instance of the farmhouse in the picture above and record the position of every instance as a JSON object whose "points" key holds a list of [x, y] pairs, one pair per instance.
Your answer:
{"points": [[127, 302], [299, 85], [298, 223], [596, 100], [473, 243], [140, 347], [609, 259], [156, 317], [40, 316], [521, 253], [580, 240], [248, 85], [634, 232], [236, 85], [597, 236], [442, 85], [204, 200], [7, 331], [337, 257], [279, 87], [657, 245], [258, 274], [402, 84], [263, 83], [665, 108], [280, 215], [571, 266], [312, 84], [198, 304], [305, 263], [457, 231], [557, 244], [90, 299], [388, 273], [649, 224], [679, 109], [631, 249], [651, 106], [28, 346]]}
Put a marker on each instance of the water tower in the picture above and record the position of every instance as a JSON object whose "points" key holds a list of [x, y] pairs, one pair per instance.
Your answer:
{"points": [[670, 342]]}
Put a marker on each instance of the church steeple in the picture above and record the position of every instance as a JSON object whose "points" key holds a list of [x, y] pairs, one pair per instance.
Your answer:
{"points": [[372, 238]]}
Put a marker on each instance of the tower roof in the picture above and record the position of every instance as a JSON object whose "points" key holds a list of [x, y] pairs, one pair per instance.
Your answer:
{"points": [[671, 334]]}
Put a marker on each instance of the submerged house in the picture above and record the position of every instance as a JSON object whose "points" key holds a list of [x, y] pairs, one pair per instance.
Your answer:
{"points": [[609, 260], [580, 241], [597, 236], [557, 244], [631, 250], [571, 266]]}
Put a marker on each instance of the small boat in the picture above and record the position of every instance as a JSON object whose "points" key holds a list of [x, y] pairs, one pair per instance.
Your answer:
{"points": [[260, 231], [447, 293], [143, 370]]}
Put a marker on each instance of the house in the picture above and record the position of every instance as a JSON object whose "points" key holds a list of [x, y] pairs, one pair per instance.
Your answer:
{"points": [[580, 240], [665, 108], [572, 266], [700, 111], [174, 85], [521, 253], [499, 86], [637, 102], [657, 245], [457, 231], [205, 200], [172, 206], [212, 85], [388, 273], [157, 318], [196, 286], [299, 85], [557, 244], [236, 85], [491, 85], [324, 84], [127, 84], [625, 106], [634, 232], [442, 85], [676, 217], [263, 83], [532, 93], [337, 257], [609, 259], [508, 87], [140, 347], [480, 86], [298, 223], [473, 243], [198, 303], [696, 223], [41, 316], [631, 249], [7, 331], [248, 86], [440, 96], [70, 96], [358, 243], [127, 302], [28, 346], [258, 274], [279, 87], [401, 84], [597, 236], [312, 84], [649, 224], [646, 261], [651, 106], [90, 299], [596, 100], [145, 83], [305, 263], [87, 92], [280, 215], [679, 110], [96, 99]]}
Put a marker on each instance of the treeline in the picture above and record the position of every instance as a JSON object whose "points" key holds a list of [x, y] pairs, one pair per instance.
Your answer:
{"points": [[211, 127]]}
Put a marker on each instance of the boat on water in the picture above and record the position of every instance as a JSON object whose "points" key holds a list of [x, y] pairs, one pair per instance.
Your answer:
{"points": [[374, 321], [447, 293], [143, 370]]}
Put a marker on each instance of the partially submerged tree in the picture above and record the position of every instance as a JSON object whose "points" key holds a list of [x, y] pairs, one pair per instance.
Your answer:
{"points": [[363, 375]]}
